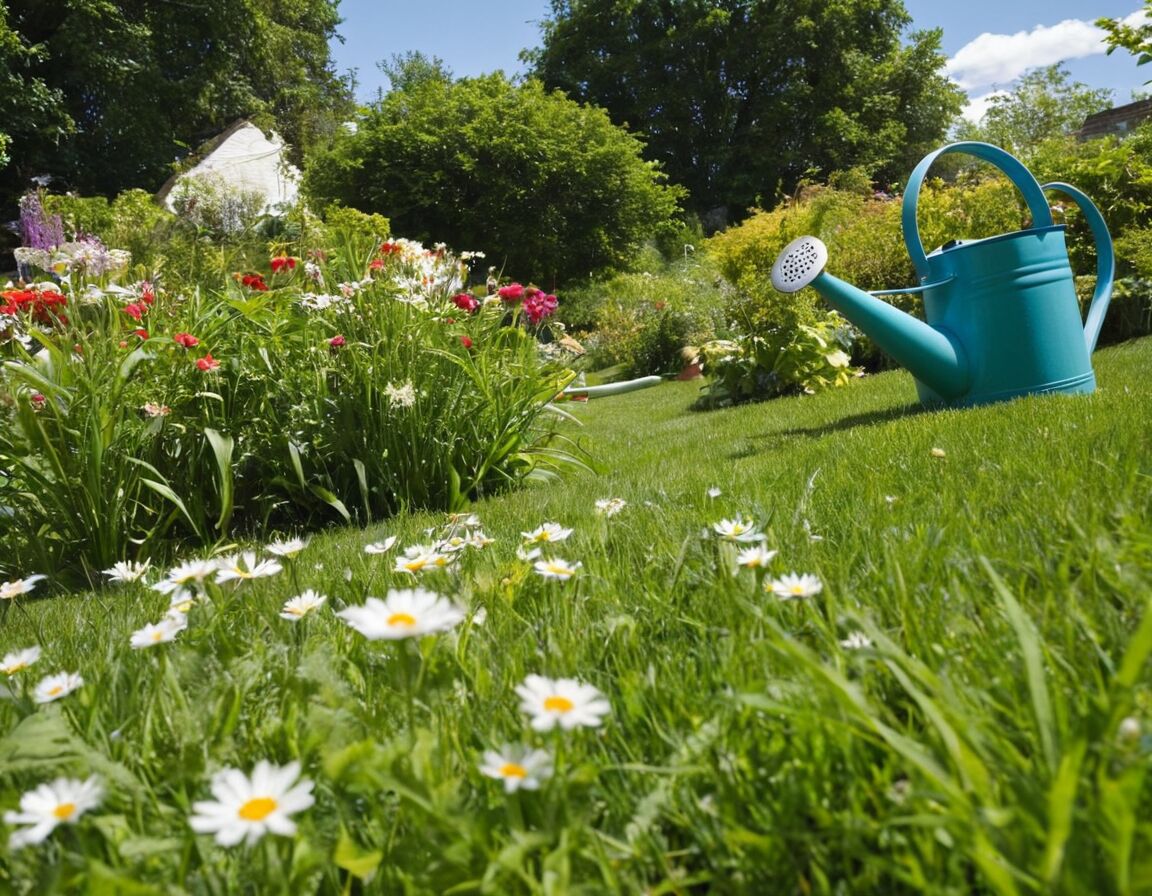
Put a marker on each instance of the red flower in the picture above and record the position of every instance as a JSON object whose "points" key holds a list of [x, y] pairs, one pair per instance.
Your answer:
{"points": [[282, 263], [142, 333], [185, 340], [466, 341], [134, 310], [512, 293], [465, 302], [38, 400], [390, 248], [39, 302], [207, 362], [254, 282], [147, 293], [337, 341], [376, 264], [539, 306]]}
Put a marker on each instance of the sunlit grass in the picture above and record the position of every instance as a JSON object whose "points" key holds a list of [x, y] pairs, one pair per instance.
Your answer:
{"points": [[964, 707]]}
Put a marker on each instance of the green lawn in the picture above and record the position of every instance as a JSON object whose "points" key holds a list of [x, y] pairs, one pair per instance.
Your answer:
{"points": [[987, 728]]}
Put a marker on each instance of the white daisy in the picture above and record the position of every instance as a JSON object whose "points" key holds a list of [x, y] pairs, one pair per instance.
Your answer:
{"points": [[520, 768], [478, 540], [246, 807], [56, 686], [380, 547], [463, 520], [289, 547], [794, 586], [557, 568], [193, 572], [610, 506], [160, 632], [738, 530], [18, 660], [566, 702], [15, 588], [128, 571], [243, 566], [404, 613], [421, 557], [181, 600], [527, 554], [856, 641], [548, 532], [757, 557], [50, 805], [301, 605]]}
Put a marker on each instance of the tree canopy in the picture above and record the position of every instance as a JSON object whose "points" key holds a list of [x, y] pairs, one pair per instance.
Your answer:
{"points": [[1044, 103], [740, 99], [548, 188], [1135, 38], [106, 96]]}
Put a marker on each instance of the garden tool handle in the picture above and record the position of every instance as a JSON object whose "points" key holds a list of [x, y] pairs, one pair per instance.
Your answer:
{"points": [[1105, 260], [1020, 176]]}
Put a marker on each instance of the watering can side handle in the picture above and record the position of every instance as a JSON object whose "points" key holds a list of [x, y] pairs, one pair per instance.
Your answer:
{"points": [[1105, 260], [1020, 176]]}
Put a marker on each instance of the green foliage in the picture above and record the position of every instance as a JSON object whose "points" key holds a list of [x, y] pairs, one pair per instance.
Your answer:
{"points": [[1136, 39], [103, 96], [643, 322], [551, 189], [741, 100], [208, 203], [1042, 104], [778, 361]]}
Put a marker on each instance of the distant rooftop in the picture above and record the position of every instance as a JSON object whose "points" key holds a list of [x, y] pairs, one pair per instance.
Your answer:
{"points": [[1121, 120]]}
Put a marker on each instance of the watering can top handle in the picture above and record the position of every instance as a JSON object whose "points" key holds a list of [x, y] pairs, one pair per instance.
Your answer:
{"points": [[1010, 165]]}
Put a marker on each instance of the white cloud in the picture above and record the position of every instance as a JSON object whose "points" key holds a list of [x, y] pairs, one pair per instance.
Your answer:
{"points": [[978, 105], [995, 59]]}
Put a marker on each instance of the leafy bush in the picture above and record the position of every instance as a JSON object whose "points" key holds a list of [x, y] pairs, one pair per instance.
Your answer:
{"points": [[552, 189], [209, 203], [642, 322], [345, 384]]}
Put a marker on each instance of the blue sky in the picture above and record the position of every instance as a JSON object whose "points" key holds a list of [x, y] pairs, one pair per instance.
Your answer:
{"points": [[989, 43]]}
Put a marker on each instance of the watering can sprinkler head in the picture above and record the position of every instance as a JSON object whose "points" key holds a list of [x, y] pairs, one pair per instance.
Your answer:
{"points": [[799, 263]]}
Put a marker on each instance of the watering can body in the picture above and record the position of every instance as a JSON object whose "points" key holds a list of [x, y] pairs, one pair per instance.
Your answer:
{"points": [[1002, 316]]}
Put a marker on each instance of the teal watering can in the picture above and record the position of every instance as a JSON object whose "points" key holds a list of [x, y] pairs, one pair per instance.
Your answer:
{"points": [[1002, 315]]}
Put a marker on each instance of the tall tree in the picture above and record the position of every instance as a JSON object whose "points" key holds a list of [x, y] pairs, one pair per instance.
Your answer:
{"points": [[1131, 34], [550, 190], [740, 99], [1044, 103], [142, 82]]}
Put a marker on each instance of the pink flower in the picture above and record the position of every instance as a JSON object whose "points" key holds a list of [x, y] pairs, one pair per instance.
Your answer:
{"points": [[466, 341], [134, 310], [337, 341], [207, 362], [185, 340], [539, 306], [512, 293], [465, 302]]}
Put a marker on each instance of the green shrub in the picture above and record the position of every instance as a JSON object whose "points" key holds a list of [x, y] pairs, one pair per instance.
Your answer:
{"points": [[642, 322]]}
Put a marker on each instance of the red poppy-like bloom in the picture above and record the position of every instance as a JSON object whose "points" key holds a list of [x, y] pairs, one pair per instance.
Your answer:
{"points": [[134, 310], [185, 340], [390, 248], [466, 341], [337, 341], [376, 264], [207, 362], [254, 282], [514, 292], [465, 302], [40, 303], [147, 292], [539, 306], [142, 333], [282, 263]]}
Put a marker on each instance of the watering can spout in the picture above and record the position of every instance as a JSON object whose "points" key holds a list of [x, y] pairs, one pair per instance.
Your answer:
{"points": [[928, 353]]}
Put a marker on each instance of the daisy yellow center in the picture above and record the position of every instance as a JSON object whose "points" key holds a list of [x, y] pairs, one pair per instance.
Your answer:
{"points": [[64, 811], [415, 565], [559, 568], [556, 703], [797, 588], [158, 635], [513, 770], [402, 619], [257, 808], [55, 690], [15, 667], [297, 611]]}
